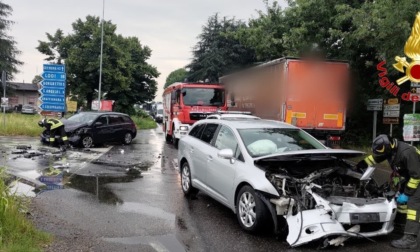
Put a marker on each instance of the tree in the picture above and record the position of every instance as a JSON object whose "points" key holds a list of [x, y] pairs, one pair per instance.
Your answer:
{"points": [[217, 53], [126, 76], [8, 49], [53, 48], [264, 34], [37, 79], [178, 75], [360, 32]]}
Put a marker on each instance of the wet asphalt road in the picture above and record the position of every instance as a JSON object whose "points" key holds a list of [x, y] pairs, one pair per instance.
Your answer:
{"points": [[105, 196]]}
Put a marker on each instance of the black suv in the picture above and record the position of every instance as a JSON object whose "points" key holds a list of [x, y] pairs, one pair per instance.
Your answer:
{"points": [[91, 128]]}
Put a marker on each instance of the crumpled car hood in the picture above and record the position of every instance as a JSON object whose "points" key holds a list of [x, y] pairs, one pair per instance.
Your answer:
{"points": [[315, 153], [71, 126]]}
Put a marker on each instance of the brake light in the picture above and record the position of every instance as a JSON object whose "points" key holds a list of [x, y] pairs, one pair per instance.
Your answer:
{"points": [[334, 138]]}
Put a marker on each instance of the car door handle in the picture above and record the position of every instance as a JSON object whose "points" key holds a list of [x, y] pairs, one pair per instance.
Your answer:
{"points": [[209, 158]]}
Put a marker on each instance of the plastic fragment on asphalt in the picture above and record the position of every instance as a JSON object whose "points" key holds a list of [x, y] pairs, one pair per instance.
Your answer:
{"points": [[19, 152], [339, 241], [23, 147]]}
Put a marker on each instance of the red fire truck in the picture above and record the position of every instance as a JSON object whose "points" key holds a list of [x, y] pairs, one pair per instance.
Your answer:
{"points": [[186, 103]]}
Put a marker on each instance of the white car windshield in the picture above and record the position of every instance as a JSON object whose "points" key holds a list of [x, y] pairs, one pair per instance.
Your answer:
{"points": [[261, 142]]}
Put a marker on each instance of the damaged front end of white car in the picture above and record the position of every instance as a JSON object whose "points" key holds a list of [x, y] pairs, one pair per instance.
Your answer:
{"points": [[322, 197]]}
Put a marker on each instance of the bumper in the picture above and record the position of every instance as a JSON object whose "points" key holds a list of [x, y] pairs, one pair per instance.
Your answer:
{"points": [[318, 223], [73, 140], [341, 216], [181, 130], [158, 119]]}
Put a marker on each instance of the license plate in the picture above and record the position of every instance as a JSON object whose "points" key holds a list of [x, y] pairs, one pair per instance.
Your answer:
{"points": [[356, 218]]}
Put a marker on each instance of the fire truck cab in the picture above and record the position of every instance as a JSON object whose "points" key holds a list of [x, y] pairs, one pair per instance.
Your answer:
{"points": [[186, 103]]}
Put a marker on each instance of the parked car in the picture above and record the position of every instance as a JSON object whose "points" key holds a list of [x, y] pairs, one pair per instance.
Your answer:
{"points": [[87, 129], [28, 109], [272, 174], [159, 116], [8, 109]]}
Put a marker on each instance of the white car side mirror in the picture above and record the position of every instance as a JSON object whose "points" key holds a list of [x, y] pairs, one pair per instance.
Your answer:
{"points": [[225, 153]]}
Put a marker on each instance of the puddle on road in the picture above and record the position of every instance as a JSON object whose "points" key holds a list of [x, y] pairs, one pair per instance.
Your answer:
{"points": [[97, 185], [145, 209], [161, 243]]}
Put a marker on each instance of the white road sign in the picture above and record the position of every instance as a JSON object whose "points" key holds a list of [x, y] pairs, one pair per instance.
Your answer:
{"points": [[392, 113], [375, 102], [392, 107]]}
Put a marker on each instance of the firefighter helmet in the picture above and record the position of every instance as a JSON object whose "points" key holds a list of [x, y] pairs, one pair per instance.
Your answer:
{"points": [[384, 146], [41, 123]]}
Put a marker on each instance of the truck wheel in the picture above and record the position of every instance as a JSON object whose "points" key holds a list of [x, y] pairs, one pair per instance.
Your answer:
{"points": [[175, 142], [168, 138], [174, 139]]}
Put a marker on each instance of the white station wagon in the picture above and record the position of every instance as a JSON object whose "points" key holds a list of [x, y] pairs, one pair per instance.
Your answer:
{"points": [[272, 174]]}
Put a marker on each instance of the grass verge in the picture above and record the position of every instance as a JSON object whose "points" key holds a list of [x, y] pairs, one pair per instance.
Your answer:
{"points": [[144, 122], [20, 125], [27, 125], [16, 232]]}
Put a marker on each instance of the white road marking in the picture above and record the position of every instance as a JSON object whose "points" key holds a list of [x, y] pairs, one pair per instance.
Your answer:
{"points": [[158, 247]]}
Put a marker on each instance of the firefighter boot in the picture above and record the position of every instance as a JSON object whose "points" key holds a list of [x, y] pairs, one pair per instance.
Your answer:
{"points": [[408, 241]]}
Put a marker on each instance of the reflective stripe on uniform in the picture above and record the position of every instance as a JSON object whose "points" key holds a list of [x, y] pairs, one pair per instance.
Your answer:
{"points": [[411, 214], [413, 183], [402, 209], [52, 139], [54, 123], [370, 160], [65, 138]]}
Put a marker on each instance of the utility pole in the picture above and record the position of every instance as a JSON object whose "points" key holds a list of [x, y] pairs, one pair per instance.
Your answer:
{"points": [[102, 48], [3, 81]]}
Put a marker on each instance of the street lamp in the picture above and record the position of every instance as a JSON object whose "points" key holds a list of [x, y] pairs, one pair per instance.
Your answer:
{"points": [[102, 48]]}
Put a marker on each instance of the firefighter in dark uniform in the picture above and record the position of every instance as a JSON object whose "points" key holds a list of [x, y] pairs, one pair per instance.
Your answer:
{"points": [[55, 127], [404, 159]]}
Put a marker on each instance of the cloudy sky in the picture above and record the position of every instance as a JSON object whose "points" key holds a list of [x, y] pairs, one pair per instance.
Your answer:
{"points": [[168, 27]]}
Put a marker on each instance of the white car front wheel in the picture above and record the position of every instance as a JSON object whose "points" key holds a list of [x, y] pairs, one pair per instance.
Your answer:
{"points": [[251, 212], [186, 185]]}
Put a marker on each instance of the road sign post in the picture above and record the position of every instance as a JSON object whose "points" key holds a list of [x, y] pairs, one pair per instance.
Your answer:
{"points": [[53, 88], [391, 112], [415, 90], [374, 105]]}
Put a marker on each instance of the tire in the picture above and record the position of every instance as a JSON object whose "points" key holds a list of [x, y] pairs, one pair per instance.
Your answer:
{"points": [[128, 138], [250, 210], [168, 138], [174, 139], [175, 142], [87, 141], [186, 184]]}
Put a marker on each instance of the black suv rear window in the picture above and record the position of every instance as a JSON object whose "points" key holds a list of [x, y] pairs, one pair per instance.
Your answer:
{"points": [[127, 119]]}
